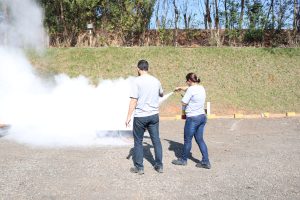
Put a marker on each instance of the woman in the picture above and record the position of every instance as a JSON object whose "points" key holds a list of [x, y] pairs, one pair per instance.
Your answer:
{"points": [[193, 101]]}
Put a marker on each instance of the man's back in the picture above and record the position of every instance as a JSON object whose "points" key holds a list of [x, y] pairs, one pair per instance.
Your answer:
{"points": [[145, 93], [146, 90]]}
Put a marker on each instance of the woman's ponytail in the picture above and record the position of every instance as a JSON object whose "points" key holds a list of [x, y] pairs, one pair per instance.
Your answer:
{"points": [[193, 78]]}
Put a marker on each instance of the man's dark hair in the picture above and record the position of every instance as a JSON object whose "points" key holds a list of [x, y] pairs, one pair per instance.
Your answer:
{"points": [[143, 65]]}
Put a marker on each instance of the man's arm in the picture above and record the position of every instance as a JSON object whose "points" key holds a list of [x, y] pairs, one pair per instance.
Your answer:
{"points": [[131, 108]]}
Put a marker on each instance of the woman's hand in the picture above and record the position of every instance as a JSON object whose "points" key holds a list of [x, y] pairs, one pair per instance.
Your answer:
{"points": [[178, 89]]}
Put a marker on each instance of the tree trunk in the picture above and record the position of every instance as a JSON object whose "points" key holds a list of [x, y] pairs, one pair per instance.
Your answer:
{"points": [[147, 16], [63, 22], [208, 18], [217, 25], [226, 14], [176, 12], [185, 20], [267, 18], [280, 17], [186, 17], [205, 22], [298, 18], [273, 16], [157, 22], [242, 14]]}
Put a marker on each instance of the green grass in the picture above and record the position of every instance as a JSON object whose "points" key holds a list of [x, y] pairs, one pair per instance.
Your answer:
{"points": [[248, 80]]}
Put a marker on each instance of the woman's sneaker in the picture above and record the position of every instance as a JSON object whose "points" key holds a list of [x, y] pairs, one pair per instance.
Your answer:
{"points": [[179, 161], [202, 164], [159, 169], [136, 170]]}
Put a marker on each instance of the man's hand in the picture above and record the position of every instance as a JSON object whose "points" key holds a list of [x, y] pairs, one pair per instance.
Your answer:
{"points": [[131, 108], [128, 120]]}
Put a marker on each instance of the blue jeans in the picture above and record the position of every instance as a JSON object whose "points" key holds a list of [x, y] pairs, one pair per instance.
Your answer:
{"points": [[140, 124], [194, 126]]}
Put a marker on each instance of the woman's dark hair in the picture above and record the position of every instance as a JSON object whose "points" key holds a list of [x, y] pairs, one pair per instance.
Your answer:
{"points": [[192, 77], [143, 65]]}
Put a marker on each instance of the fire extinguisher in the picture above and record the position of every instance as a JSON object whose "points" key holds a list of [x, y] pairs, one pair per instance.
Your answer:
{"points": [[183, 114]]}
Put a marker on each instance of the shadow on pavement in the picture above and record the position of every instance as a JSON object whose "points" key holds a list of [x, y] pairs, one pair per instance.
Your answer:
{"points": [[147, 153], [178, 148]]}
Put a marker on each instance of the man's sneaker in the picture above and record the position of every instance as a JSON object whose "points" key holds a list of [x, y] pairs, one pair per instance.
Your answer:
{"points": [[159, 169], [203, 165], [179, 161], [136, 170]]}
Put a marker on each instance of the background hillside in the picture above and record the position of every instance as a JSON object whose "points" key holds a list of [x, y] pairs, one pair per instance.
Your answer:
{"points": [[247, 80]]}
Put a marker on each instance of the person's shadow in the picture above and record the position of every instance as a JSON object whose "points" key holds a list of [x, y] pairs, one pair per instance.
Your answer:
{"points": [[178, 149], [147, 153]]}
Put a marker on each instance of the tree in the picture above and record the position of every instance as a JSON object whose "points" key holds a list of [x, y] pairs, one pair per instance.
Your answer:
{"points": [[186, 17], [233, 17], [208, 20], [129, 18], [242, 14], [282, 12], [176, 15], [254, 14], [297, 21], [226, 14], [295, 14], [217, 24], [270, 23], [69, 17], [273, 15]]}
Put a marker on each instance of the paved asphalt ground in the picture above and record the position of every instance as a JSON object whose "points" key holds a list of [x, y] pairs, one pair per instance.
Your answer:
{"points": [[251, 159]]}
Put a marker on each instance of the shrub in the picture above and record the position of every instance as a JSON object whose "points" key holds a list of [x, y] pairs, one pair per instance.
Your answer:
{"points": [[254, 36]]}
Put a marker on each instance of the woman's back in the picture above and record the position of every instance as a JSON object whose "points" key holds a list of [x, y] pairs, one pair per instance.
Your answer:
{"points": [[195, 100]]}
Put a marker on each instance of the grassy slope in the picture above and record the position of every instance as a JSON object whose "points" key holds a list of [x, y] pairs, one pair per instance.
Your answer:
{"points": [[247, 80]]}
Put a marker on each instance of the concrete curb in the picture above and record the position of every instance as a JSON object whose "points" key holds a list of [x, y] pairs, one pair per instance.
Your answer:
{"points": [[240, 116]]}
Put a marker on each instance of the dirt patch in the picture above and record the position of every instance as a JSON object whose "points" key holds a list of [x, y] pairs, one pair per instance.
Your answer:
{"points": [[251, 159]]}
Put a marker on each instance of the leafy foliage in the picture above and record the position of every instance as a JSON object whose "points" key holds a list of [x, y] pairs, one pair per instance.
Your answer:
{"points": [[129, 20], [126, 18]]}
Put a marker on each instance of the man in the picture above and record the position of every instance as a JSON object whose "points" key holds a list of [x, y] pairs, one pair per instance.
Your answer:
{"points": [[144, 103]]}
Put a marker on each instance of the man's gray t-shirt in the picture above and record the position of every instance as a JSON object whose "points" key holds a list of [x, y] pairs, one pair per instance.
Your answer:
{"points": [[146, 90], [195, 99]]}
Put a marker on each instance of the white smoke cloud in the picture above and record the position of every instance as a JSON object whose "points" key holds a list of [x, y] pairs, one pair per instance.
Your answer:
{"points": [[65, 112], [68, 112], [21, 24]]}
